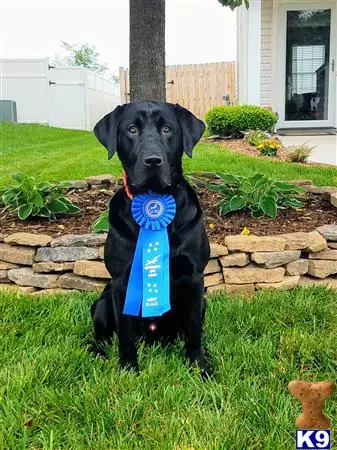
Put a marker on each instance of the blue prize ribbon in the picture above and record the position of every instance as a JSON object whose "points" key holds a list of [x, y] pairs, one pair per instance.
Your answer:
{"points": [[148, 290]]}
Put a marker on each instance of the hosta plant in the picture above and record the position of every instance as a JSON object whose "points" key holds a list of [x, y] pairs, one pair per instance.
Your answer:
{"points": [[269, 147], [261, 195], [30, 198], [256, 137], [101, 224]]}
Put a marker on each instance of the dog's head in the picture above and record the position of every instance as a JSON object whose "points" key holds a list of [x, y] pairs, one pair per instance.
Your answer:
{"points": [[150, 138]]}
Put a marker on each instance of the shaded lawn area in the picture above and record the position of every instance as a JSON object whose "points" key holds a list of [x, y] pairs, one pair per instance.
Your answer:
{"points": [[54, 395], [61, 154]]}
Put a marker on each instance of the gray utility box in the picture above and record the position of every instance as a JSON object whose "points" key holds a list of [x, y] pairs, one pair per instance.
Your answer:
{"points": [[8, 111]]}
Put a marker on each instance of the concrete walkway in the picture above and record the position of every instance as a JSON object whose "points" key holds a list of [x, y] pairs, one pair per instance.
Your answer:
{"points": [[325, 150]]}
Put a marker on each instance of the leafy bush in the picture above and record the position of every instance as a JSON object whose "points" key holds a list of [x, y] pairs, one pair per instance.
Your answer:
{"points": [[269, 147], [28, 197], [101, 224], [234, 119], [255, 137], [258, 193], [299, 153]]}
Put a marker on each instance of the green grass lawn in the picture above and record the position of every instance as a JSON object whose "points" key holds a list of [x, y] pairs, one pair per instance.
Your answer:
{"points": [[68, 154], [54, 395]]}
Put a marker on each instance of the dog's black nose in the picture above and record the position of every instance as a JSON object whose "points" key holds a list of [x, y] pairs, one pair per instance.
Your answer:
{"points": [[153, 160]]}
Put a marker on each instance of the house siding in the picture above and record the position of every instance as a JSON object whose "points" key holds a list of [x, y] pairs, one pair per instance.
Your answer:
{"points": [[241, 60], [266, 52]]}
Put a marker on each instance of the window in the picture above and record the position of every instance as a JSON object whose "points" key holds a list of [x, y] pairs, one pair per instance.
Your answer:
{"points": [[306, 59]]}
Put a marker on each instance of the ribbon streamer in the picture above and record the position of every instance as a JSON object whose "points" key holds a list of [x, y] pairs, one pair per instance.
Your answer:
{"points": [[148, 291]]}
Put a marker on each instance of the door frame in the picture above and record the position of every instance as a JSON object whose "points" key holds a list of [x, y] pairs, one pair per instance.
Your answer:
{"points": [[282, 24]]}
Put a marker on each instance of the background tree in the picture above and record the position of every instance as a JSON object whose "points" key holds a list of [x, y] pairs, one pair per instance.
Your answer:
{"points": [[234, 3], [147, 50], [84, 55]]}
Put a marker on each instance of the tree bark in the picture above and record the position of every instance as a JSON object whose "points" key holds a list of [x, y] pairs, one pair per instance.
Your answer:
{"points": [[147, 50]]}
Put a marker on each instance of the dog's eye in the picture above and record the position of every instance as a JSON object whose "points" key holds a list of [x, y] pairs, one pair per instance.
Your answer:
{"points": [[166, 129], [133, 129]]}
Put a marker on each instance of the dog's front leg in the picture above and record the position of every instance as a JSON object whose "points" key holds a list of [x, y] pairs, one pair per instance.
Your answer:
{"points": [[126, 336], [191, 305]]}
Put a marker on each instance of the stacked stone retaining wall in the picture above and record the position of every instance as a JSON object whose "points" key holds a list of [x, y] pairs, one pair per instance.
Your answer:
{"points": [[39, 264]]}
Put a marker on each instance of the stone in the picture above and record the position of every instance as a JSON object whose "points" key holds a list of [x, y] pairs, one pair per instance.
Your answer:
{"points": [[45, 267], [299, 267], [321, 190], [92, 269], [301, 182], [321, 268], [3, 273], [253, 274], [218, 250], [235, 259], [63, 254], [79, 240], [54, 291], [27, 277], [243, 289], [2, 237], [213, 280], [101, 252], [212, 267], [100, 179], [333, 199], [329, 282], [6, 265], [316, 242], [329, 232], [250, 244], [78, 184], [328, 253], [17, 289], [71, 281], [270, 260], [120, 181], [332, 245], [3, 276], [17, 255], [286, 283], [296, 241], [29, 239]]}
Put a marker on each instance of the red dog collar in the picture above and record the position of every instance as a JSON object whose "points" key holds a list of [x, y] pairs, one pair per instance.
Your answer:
{"points": [[126, 187]]}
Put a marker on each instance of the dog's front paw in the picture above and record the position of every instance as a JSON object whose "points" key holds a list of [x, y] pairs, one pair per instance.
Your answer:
{"points": [[96, 348], [199, 359], [129, 365]]}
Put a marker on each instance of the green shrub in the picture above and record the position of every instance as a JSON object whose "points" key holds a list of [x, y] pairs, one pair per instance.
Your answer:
{"points": [[232, 120], [255, 137], [27, 197], [263, 196], [101, 224], [299, 153], [269, 147]]}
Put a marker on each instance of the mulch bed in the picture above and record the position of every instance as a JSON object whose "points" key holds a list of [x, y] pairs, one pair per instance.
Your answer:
{"points": [[92, 202], [241, 146], [316, 212]]}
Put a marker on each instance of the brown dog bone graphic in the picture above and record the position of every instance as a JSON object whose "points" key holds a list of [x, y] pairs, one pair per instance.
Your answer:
{"points": [[312, 397]]}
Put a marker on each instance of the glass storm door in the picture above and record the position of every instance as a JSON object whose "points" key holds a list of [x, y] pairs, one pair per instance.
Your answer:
{"points": [[308, 65]]}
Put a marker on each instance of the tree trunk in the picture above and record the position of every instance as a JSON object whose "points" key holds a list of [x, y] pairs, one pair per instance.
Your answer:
{"points": [[147, 50]]}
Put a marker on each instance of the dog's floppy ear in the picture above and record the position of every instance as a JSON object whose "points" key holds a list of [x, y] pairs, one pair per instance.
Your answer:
{"points": [[106, 130], [191, 127]]}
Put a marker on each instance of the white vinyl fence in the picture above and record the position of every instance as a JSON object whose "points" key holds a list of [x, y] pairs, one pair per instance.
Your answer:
{"points": [[70, 97]]}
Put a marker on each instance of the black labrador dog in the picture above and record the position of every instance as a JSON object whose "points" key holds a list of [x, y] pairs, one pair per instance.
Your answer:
{"points": [[150, 138]]}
